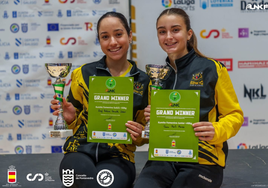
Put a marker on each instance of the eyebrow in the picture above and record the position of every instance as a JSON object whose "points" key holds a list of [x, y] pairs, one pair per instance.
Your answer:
{"points": [[104, 32], [161, 27]]}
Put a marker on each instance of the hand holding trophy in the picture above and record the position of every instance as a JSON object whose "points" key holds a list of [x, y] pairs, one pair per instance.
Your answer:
{"points": [[58, 71], [156, 73]]}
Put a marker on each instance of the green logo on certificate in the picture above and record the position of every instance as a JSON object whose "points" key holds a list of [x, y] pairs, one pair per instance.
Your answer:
{"points": [[174, 97], [110, 83]]}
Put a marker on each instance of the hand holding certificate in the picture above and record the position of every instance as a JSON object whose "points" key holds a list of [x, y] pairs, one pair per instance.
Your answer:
{"points": [[172, 136], [110, 108]]}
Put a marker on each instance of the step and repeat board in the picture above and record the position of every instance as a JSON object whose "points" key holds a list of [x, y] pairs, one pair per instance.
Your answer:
{"points": [[232, 32], [32, 33]]}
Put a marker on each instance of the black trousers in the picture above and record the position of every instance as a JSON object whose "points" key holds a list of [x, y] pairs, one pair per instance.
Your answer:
{"points": [[162, 174], [117, 172]]}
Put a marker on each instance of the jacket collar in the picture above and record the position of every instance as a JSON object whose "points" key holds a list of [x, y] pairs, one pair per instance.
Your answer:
{"points": [[102, 65], [183, 61]]}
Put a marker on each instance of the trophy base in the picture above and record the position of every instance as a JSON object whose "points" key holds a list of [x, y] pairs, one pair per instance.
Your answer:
{"points": [[145, 134], [61, 133]]}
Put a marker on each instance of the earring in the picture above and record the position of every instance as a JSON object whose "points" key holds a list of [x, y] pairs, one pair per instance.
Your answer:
{"points": [[130, 42]]}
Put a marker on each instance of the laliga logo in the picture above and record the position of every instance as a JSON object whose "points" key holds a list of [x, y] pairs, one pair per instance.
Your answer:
{"points": [[61, 1], [242, 146], [65, 43], [35, 176], [68, 177], [212, 31]]}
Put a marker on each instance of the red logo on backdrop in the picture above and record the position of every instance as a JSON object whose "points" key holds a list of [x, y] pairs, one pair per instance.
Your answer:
{"points": [[65, 1], [253, 64], [50, 122], [227, 62], [215, 31], [69, 39], [49, 81], [11, 174], [88, 26], [46, 1], [48, 40]]}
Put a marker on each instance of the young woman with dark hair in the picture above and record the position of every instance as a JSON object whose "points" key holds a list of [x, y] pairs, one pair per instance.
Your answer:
{"points": [[87, 158], [220, 114]]}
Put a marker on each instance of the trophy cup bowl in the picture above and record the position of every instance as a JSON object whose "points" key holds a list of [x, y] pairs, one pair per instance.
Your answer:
{"points": [[58, 71], [156, 74]]}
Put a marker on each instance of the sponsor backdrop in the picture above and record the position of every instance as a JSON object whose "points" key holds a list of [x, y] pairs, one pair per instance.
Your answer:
{"points": [[229, 31], [32, 33]]}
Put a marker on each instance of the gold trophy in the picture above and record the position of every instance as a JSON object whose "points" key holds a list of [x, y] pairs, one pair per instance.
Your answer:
{"points": [[58, 71], [156, 73]]}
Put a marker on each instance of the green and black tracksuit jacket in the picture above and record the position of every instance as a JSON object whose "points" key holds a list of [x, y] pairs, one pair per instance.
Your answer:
{"points": [[218, 101], [78, 96]]}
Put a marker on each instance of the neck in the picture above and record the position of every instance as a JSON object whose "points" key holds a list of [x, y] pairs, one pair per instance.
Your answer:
{"points": [[172, 57], [118, 67]]}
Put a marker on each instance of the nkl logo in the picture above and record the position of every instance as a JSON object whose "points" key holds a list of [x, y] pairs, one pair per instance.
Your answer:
{"points": [[254, 93], [215, 31], [174, 98]]}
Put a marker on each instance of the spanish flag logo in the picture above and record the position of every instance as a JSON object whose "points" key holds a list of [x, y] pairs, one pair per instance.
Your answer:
{"points": [[11, 176]]}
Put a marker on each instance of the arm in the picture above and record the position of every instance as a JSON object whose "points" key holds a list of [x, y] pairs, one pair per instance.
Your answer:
{"points": [[230, 114]]}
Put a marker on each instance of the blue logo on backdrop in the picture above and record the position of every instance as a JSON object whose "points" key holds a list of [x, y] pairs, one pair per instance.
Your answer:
{"points": [[18, 136], [25, 69], [28, 149], [9, 137], [16, 2], [21, 123], [59, 14], [17, 96], [39, 13], [204, 3], [19, 82], [14, 28], [70, 54], [15, 69], [97, 1], [14, 14], [27, 109], [97, 42], [18, 41], [61, 55], [16, 55], [52, 27], [24, 27], [8, 97], [56, 149], [17, 110], [7, 56], [19, 150], [69, 13], [41, 55], [51, 110], [5, 16]]}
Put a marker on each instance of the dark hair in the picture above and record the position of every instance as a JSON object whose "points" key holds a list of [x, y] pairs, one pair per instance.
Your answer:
{"points": [[118, 15], [192, 43]]}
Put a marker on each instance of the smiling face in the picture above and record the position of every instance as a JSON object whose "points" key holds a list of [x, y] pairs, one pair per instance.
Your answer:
{"points": [[173, 35], [114, 39]]}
